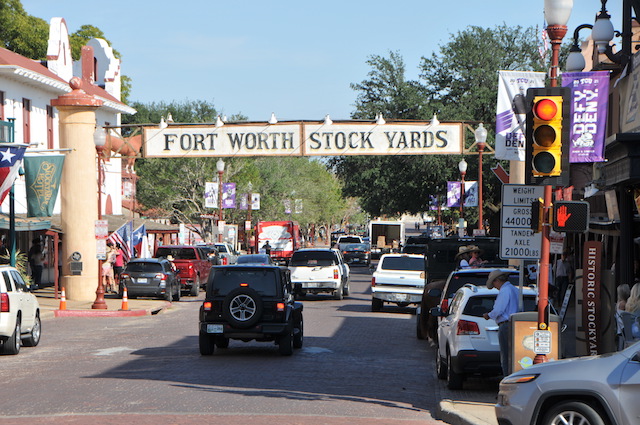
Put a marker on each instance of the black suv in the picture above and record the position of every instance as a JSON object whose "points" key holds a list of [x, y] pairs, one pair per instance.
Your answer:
{"points": [[250, 302]]}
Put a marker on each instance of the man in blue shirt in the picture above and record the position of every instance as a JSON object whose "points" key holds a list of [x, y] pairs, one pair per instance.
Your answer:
{"points": [[505, 305]]}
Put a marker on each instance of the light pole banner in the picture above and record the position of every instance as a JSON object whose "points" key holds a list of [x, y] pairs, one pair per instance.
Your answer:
{"points": [[589, 104], [243, 202], [42, 180], [255, 201], [470, 194], [453, 194], [511, 112], [228, 195], [210, 195]]}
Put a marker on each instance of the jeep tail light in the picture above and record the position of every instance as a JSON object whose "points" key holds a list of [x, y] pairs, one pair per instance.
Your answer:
{"points": [[244, 285], [468, 328], [335, 273], [373, 281], [280, 306], [224, 261], [4, 302], [207, 305]]}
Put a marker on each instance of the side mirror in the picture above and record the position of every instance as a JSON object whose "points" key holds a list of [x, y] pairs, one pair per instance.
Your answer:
{"points": [[436, 293]]}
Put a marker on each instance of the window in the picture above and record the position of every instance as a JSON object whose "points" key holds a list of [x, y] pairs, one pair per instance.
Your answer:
{"points": [[7, 281], [404, 263], [262, 281], [49, 127], [26, 121], [313, 258], [2, 118]]}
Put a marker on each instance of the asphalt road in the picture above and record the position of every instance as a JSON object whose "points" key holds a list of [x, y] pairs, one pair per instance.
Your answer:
{"points": [[356, 367]]}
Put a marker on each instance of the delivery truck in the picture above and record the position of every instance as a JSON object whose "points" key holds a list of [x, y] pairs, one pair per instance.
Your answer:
{"points": [[385, 236], [283, 237]]}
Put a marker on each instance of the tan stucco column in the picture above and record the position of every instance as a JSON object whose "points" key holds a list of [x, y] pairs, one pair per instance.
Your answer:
{"points": [[79, 190]]}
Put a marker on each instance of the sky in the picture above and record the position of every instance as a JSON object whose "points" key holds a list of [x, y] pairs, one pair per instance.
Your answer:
{"points": [[296, 59]]}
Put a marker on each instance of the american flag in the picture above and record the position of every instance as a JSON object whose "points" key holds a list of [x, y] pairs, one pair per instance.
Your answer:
{"points": [[10, 162], [123, 236]]}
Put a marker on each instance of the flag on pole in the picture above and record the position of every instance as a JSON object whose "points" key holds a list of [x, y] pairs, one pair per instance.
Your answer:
{"points": [[136, 239], [122, 236], [10, 162]]}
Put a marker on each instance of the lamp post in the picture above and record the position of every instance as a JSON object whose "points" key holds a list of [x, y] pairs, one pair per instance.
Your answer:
{"points": [[99, 139], [220, 168], [556, 13], [462, 166], [481, 141], [249, 230]]}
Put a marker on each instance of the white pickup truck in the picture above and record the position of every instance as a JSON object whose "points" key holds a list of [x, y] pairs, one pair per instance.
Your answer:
{"points": [[319, 270], [400, 279]]}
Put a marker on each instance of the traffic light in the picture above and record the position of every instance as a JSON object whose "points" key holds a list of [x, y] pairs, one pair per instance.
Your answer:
{"points": [[537, 215], [546, 135], [570, 216]]}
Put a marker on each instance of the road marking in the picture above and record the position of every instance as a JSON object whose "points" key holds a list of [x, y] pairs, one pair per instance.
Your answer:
{"points": [[315, 350], [110, 351]]}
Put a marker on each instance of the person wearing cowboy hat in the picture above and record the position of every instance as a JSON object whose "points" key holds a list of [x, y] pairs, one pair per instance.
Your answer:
{"points": [[464, 255], [475, 260], [505, 305]]}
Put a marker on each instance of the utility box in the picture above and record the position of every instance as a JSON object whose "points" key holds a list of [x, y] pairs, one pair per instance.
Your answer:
{"points": [[525, 337]]}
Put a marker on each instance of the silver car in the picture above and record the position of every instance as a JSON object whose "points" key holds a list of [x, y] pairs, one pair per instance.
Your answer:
{"points": [[594, 390]]}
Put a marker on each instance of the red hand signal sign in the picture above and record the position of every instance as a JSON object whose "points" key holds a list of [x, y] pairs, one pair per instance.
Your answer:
{"points": [[570, 216]]}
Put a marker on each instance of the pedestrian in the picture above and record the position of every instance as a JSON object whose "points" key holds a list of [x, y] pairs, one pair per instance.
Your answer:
{"points": [[267, 248], [505, 305], [36, 262], [4, 252], [623, 292], [633, 302], [475, 260], [564, 273], [107, 269], [463, 256], [118, 264]]}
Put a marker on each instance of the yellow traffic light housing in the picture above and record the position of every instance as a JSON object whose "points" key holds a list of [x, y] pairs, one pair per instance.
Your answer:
{"points": [[546, 137]]}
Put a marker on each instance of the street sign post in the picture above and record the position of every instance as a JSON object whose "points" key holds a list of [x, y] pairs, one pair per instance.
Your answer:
{"points": [[517, 239]]}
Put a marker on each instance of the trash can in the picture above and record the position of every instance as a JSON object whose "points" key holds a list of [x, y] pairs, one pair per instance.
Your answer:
{"points": [[526, 339]]}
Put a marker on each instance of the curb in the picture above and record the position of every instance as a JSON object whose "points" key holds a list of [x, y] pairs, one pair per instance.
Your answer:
{"points": [[448, 412], [111, 313]]}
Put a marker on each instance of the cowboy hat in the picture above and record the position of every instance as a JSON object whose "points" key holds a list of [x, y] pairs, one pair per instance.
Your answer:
{"points": [[474, 248], [462, 250], [493, 276]]}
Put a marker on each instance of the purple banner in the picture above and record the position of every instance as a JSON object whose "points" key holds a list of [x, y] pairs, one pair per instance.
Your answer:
{"points": [[453, 194], [228, 195], [589, 103]]}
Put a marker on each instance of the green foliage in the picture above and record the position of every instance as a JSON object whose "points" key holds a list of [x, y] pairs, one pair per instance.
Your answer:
{"points": [[22, 33], [21, 265]]}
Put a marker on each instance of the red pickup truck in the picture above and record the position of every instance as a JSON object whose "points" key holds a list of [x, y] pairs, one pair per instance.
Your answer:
{"points": [[192, 264]]}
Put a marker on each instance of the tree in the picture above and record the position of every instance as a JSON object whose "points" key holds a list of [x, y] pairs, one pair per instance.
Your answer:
{"points": [[22, 33]]}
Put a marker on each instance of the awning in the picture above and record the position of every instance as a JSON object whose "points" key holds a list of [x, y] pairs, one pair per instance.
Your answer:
{"points": [[25, 224]]}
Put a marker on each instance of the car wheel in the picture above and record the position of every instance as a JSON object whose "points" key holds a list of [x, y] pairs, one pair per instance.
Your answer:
{"points": [[207, 344], [346, 290], [376, 304], [34, 335], [419, 333], [168, 295], [12, 345], [298, 334], [572, 413], [222, 342], [176, 296], [441, 367], [195, 287], [242, 307], [285, 343], [338, 294], [454, 380]]}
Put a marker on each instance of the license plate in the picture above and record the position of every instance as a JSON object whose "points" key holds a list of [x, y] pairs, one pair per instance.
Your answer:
{"points": [[312, 285], [214, 329], [355, 260], [141, 280]]}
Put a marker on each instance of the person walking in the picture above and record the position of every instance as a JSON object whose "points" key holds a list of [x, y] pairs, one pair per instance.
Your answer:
{"points": [[36, 262], [267, 248], [505, 305], [107, 269], [118, 264], [564, 275]]}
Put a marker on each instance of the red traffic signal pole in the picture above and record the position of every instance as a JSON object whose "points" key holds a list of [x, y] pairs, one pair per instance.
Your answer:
{"points": [[543, 273]]}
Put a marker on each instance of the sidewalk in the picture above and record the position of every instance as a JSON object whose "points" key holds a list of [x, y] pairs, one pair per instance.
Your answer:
{"points": [[50, 307]]}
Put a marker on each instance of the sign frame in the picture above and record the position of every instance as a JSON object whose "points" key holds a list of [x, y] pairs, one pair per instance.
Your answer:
{"points": [[517, 240]]}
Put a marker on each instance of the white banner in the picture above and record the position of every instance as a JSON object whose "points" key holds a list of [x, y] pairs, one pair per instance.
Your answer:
{"points": [[255, 201], [210, 195], [511, 112]]}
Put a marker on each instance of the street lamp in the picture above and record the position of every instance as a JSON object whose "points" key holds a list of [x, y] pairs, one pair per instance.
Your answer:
{"points": [[481, 142], [575, 60], [220, 168], [99, 139], [556, 13], [249, 230], [462, 166]]}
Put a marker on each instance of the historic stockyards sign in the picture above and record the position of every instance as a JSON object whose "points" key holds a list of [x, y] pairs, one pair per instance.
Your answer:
{"points": [[304, 139]]}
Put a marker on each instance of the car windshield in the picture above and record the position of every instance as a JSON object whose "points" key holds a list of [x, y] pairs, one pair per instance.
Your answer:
{"points": [[349, 239], [477, 306], [355, 247], [262, 281], [253, 258], [177, 253], [403, 263], [313, 259], [139, 267], [458, 280], [222, 248]]}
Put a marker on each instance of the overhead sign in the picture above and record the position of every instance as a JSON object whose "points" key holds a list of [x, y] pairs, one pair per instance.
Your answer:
{"points": [[304, 139], [517, 239]]}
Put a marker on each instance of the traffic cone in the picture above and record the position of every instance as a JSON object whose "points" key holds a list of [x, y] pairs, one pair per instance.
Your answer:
{"points": [[125, 299], [63, 301]]}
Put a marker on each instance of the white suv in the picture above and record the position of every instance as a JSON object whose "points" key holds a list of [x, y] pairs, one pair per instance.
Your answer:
{"points": [[467, 342], [19, 312], [319, 270], [400, 279]]}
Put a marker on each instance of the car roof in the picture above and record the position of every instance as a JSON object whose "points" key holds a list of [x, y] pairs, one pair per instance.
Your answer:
{"points": [[147, 260], [485, 270], [315, 249], [251, 266], [402, 255], [478, 290]]}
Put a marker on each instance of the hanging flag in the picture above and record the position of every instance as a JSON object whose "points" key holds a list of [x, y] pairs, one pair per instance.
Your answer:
{"points": [[243, 201], [255, 201], [211, 195], [122, 236], [137, 237], [511, 112], [10, 162], [42, 177], [228, 195], [589, 105]]}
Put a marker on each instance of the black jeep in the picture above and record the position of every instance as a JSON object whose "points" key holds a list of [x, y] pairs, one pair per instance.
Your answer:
{"points": [[250, 302]]}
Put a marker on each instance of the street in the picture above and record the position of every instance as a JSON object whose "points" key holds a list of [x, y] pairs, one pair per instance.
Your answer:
{"points": [[355, 366]]}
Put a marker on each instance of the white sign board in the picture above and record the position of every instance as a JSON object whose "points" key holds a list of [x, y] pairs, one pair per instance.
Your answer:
{"points": [[304, 139], [542, 342], [517, 240], [102, 229]]}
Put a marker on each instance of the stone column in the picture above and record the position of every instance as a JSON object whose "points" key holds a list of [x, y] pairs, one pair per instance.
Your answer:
{"points": [[79, 189]]}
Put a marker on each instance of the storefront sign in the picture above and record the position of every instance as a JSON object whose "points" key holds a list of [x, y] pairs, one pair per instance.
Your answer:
{"points": [[304, 139], [591, 308]]}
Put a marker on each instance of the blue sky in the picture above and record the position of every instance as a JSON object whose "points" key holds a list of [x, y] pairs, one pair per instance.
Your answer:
{"points": [[294, 58]]}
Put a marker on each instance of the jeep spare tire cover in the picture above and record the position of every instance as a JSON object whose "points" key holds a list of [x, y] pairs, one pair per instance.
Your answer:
{"points": [[242, 307]]}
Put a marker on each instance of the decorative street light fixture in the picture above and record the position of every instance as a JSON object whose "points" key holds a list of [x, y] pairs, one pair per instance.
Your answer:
{"points": [[575, 61], [249, 230], [481, 142], [462, 166], [99, 139], [220, 168], [556, 13]]}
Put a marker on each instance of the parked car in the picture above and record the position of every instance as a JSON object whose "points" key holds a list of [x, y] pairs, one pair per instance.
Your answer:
{"points": [[398, 278], [356, 253], [250, 302], [227, 253], [150, 277], [593, 390], [467, 342], [441, 293], [345, 239], [212, 254], [254, 259], [19, 313], [316, 270], [192, 263]]}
